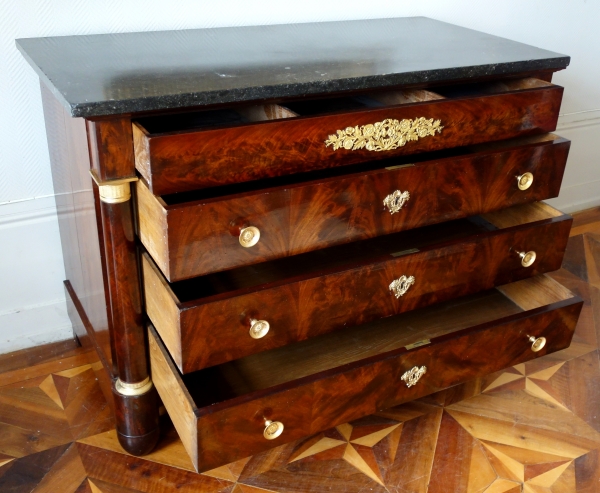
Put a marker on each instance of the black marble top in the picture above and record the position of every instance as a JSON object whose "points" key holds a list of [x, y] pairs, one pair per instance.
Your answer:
{"points": [[109, 74]]}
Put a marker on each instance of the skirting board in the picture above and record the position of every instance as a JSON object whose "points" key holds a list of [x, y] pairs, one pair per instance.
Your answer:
{"points": [[32, 304], [34, 325]]}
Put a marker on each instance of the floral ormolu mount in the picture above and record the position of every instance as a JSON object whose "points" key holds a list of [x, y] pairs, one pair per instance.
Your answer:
{"points": [[383, 136]]}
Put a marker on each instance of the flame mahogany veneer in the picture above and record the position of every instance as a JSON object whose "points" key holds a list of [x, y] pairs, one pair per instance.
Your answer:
{"points": [[191, 234], [205, 321], [231, 128], [187, 159], [314, 385]]}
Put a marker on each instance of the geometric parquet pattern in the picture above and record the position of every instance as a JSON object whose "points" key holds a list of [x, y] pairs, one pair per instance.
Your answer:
{"points": [[531, 428]]}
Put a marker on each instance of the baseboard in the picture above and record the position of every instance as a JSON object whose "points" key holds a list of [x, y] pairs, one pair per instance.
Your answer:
{"points": [[574, 199], [32, 305], [34, 325]]}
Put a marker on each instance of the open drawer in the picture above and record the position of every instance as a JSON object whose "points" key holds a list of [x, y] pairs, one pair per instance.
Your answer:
{"points": [[219, 147], [196, 233], [221, 317], [241, 408]]}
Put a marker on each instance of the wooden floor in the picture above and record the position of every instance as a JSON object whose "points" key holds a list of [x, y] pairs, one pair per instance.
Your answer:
{"points": [[532, 428]]}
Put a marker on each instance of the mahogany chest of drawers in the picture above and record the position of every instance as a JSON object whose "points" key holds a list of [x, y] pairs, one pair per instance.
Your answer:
{"points": [[278, 229]]}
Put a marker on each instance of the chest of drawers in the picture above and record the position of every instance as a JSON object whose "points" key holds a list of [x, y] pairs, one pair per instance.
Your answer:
{"points": [[290, 227]]}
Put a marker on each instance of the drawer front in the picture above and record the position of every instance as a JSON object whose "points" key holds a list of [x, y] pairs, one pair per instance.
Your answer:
{"points": [[190, 160], [197, 238], [306, 308], [234, 431]]}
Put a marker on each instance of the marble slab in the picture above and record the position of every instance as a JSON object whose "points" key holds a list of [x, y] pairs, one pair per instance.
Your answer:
{"points": [[111, 74]]}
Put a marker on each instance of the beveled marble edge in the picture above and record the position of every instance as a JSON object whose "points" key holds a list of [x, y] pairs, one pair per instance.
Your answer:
{"points": [[249, 93], [138, 105]]}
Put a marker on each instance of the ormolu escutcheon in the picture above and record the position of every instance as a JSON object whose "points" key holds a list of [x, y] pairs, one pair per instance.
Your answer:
{"points": [[401, 285], [527, 258], [272, 429], [395, 201], [525, 180], [412, 376], [537, 343], [259, 328], [249, 236]]}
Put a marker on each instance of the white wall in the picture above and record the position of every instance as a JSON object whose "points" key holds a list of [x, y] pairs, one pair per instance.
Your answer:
{"points": [[32, 309]]}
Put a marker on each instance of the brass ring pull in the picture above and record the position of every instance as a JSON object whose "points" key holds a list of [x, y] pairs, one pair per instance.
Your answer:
{"points": [[412, 376], [259, 328], [401, 285], [527, 258], [272, 429], [249, 236], [537, 343], [395, 201], [525, 180]]}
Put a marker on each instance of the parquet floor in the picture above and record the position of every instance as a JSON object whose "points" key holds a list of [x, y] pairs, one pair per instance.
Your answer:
{"points": [[531, 428]]}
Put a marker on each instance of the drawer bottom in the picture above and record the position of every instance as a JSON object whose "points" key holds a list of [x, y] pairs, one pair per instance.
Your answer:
{"points": [[243, 407]]}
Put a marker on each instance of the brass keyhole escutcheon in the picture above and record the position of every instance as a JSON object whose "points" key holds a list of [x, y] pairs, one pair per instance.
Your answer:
{"points": [[249, 236], [527, 258], [272, 429], [412, 376], [259, 328], [525, 180], [401, 285], [395, 201], [537, 343]]}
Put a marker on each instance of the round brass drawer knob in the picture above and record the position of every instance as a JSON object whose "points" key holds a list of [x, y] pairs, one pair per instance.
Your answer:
{"points": [[249, 236], [525, 180], [272, 429], [259, 328], [537, 343], [527, 258]]}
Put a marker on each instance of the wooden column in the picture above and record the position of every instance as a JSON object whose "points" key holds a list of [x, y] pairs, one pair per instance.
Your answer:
{"points": [[113, 170]]}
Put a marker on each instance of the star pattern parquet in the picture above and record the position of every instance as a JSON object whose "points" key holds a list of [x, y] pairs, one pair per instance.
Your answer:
{"points": [[531, 428]]}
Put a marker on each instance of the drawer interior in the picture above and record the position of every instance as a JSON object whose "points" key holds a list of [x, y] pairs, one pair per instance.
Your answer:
{"points": [[302, 179], [203, 120], [307, 359], [320, 262]]}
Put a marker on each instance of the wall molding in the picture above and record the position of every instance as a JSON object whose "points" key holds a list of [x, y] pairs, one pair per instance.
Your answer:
{"points": [[579, 119], [25, 211]]}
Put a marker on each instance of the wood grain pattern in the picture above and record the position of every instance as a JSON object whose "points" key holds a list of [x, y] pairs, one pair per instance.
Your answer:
{"points": [[321, 295], [111, 151], [546, 291], [529, 420], [196, 159], [517, 215], [76, 211], [161, 306], [232, 428], [196, 238], [179, 405]]}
